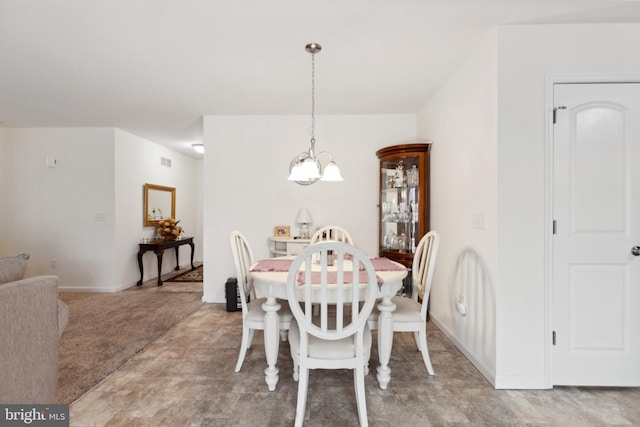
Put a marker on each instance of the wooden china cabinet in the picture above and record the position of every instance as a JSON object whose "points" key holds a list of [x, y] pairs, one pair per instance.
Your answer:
{"points": [[403, 201]]}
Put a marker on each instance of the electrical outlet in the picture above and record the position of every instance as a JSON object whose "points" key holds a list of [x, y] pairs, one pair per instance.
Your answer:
{"points": [[53, 262]]}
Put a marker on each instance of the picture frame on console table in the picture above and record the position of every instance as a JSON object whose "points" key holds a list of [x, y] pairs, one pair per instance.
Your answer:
{"points": [[282, 231]]}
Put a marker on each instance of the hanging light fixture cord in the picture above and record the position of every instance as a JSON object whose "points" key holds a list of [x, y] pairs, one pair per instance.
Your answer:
{"points": [[313, 95]]}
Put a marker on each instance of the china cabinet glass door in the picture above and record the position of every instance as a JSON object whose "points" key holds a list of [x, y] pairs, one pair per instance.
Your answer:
{"points": [[400, 202], [404, 182]]}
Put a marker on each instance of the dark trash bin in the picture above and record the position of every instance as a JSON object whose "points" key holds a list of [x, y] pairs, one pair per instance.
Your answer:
{"points": [[231, 291]]}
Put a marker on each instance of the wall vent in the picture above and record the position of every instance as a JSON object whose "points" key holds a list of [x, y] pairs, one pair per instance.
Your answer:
{"points": [[164, 161]]}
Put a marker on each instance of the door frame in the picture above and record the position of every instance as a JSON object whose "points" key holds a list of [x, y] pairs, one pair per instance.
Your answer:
{"points": [[550, 81]]}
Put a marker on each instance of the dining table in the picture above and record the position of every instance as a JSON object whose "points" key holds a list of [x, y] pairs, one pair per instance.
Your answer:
{"points": [[270, 280]]}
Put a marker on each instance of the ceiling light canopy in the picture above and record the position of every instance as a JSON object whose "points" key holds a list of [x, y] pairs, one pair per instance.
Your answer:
{"points": [[305, 168]]}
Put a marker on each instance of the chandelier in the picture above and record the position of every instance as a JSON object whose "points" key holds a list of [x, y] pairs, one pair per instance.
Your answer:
{"points": [[305, 168]]}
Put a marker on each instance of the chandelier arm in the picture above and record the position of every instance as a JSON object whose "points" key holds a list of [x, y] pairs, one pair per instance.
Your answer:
{"points": [[325, 153], [298, 159], [311, 181]]}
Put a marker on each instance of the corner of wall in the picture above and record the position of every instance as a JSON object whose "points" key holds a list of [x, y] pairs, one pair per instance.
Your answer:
{"points": [[464, 188]]}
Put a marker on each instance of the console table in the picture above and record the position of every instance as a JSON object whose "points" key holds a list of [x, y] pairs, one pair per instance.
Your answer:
{"points": [[158, 247], [287, 246]]}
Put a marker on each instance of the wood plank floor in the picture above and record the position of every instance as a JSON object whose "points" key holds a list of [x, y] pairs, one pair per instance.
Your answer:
{"points": [[186, 378]]}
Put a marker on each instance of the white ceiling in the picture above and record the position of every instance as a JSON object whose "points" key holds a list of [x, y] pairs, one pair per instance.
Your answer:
{"points": [[155, 67]]}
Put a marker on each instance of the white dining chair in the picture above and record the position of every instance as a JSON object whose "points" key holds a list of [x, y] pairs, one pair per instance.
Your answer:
{"points": [[410, 314], [332, 232], [252, 313], [338, 338]]}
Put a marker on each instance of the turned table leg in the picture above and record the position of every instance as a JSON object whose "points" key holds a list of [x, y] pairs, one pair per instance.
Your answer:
{"points": [[271, 341], [159, 256], [192, 251], [140, 253], [385, 340]]}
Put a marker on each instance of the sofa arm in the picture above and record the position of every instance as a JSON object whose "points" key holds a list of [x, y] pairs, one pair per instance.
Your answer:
{"points": [[29, 337]]}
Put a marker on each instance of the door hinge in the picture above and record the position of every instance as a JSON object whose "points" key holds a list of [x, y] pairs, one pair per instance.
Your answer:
{"points": [[555, 227], [553, 337], [562, 107]]}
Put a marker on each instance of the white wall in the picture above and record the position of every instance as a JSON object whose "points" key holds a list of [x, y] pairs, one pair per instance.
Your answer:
{"points": [[87, 212], [461, 120], [527, 56], [245, 169], [199, 207], [51, 212], [495, 164], [138, 161]]}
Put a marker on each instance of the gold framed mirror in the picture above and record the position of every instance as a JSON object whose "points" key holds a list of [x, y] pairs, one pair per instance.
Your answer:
{"points": [[159, 203]]}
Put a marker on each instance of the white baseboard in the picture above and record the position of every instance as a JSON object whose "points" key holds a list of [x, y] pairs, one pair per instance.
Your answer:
{"points": [[515, 382], [114, 289]]}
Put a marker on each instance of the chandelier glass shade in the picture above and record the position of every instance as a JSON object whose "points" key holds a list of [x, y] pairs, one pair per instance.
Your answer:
{"points": [[305, 168]]}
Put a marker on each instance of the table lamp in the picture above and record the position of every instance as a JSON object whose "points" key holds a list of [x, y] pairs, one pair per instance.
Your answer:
{"points": [[304, 219]]}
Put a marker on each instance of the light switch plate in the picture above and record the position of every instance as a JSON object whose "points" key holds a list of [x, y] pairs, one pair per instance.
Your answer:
{"points": [[477, 220]]}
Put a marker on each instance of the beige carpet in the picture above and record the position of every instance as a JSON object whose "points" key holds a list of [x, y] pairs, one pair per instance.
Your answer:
{"points": [[107, 329]]}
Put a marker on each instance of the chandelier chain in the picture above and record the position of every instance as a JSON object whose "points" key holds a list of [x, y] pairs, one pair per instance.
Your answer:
{"points": [[313, 97]]}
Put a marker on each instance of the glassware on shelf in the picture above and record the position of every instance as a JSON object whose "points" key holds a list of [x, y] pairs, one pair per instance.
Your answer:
{"points": [[399, 177], [403, 216], [391, 181], [389, 240], [403, 181], [386, 209], [398, 242], [414, 211], [398, 180], [402, 242], [412, 176]]}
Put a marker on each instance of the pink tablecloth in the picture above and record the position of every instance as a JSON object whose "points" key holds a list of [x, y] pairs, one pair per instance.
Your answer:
{"points": [[332, 277], [385, 264], [273, 265], [282, 265]]}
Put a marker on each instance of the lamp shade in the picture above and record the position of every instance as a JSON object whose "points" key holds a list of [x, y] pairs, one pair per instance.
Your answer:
{"points": [[331, 173], [297, 173], [304, 216], [310, 168]]}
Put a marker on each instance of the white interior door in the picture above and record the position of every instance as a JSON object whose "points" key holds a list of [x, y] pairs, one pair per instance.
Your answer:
{"points": [[596, 278]]}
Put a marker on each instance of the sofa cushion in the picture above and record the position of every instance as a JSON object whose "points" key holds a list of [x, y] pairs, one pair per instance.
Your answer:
{"points": [[12, 268]]}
